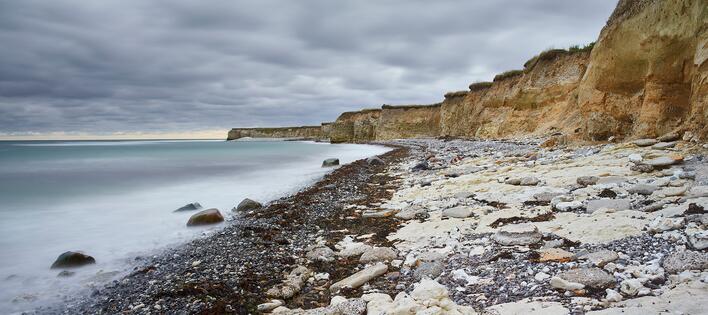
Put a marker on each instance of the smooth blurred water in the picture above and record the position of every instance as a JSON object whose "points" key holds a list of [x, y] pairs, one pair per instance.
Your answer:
{"points": [[114, 200]]}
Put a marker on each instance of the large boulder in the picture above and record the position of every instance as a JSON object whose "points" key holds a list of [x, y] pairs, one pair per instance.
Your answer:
{"points": [[685, 260], [189, 207], [205, 217], [72, 259], [330, 162], [248, 205]]}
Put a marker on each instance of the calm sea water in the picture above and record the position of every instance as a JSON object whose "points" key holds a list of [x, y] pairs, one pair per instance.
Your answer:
{"points": [[114, 200]]}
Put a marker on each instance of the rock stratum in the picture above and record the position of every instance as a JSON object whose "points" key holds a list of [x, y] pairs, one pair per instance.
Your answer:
{"points": [[645, 76]]}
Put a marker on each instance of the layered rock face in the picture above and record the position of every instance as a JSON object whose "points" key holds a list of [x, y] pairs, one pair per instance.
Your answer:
{"points": [[309, 132], [534, 101], [357, 126], [647, 72], [646, 75]]}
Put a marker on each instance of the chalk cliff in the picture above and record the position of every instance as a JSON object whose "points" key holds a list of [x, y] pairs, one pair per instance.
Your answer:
{"points": [[645, 76], [309, 132]]}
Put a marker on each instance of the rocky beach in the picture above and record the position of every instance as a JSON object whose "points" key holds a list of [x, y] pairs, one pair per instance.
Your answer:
{"points": [[452, 226]]}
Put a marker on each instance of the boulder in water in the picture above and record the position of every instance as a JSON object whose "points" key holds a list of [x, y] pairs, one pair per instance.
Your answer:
{"points": [[72, 259], [205, 217], [248, 205], [330, 162], [190, 207]]}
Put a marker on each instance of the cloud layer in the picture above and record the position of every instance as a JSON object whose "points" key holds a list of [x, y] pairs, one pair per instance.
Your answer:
{"points": [[129, 65]]}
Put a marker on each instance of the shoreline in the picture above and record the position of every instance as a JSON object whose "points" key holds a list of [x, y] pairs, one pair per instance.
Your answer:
{"points": [[259, 237], [455, 226]]}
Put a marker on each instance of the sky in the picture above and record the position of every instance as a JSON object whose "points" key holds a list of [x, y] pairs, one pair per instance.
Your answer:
{"points": [[106, 67]]}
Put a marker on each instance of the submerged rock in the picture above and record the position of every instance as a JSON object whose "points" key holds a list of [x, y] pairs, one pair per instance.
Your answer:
{"points": [[189, 207], [72, 259], [248, 205], [330, 162], [205, 217]]}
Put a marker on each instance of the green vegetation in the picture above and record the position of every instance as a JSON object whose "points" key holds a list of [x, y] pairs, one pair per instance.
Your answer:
{"points": [[507, 75], [552, 53], [480, 86]]}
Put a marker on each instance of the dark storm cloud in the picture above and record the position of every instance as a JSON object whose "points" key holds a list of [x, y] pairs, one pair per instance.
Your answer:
{"points": [[173, 65]]}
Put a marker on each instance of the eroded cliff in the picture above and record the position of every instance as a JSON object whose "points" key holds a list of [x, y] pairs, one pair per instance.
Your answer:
{"points": [[307, 132], [646, 75]]}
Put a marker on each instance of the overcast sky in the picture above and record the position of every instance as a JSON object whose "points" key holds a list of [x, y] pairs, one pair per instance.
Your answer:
{"points": [[122, 65]]}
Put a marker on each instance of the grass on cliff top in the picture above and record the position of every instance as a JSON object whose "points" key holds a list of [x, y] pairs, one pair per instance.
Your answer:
{"points": [[477, 86], [508, 74], [551, 54], [455, 94]]}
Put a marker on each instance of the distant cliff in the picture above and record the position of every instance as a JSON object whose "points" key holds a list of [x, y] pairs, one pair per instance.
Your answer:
{"points": [[309, 132], [646, 75]]}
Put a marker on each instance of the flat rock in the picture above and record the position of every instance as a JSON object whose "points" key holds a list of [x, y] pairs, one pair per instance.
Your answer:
{"points": [[72, 260], [428, 269], [378, 254], [642, 189], [589, 277], [663, 161], [518, 234], [661, 224], [560, 283], [616, 204], [600, 258], [529, 181], [527, 307], [569, 206], [663, 145], [685, 260], [206, 217], [458, 212], [554, 254], [358, 279], [644, 142], [587, 180], [671, 136]]}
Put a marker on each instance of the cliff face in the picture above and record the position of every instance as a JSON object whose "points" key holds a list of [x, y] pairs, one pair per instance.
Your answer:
{"points": [[310, 132], [645, 76], [416, 121], [533, 101], [357, 126], [647, 73]]}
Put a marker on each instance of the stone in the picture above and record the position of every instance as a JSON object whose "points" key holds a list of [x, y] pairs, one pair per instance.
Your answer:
{"points": [[671, 136], [663, 145], [527, 307], [411, 213], [428, 269], [375, 160], [72, 260], [663, 161], [644, 142], [358, 279], [587, 180], [189, 207], [661, 224], [546, 196], [569, 206], [635, 158], [529, 181], [206, 217], [590, 277], [517, 234], [685, 260], [642, 168], [630, 287], [560, 283], [672, 191], [346, 306], [248, 205], [461, 276], [378, 254], [616, 204], [269, 306], [541, 276], [698, 239], [612, 295], [320, 253], [513, 181], [457, 212], [642, 189], [422, 166], [330, 162], [554, 254], [292, 284], [600, 258]]}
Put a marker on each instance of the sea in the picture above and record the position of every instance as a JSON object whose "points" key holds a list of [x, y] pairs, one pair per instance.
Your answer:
{"points": [[115, 201]]}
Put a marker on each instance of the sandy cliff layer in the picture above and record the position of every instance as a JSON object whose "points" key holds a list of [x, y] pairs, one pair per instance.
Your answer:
{"points": [[310, 132], [646, 75]]}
